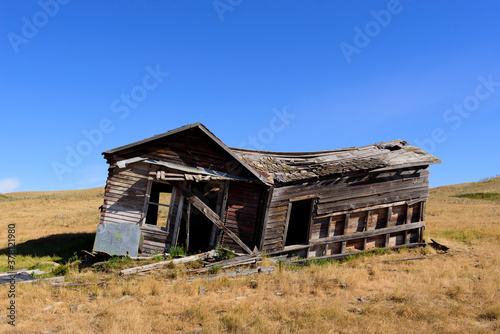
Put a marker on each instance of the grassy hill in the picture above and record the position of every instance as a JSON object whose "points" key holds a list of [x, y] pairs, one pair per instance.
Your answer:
{"points": [[453, 292], [490, 186]]}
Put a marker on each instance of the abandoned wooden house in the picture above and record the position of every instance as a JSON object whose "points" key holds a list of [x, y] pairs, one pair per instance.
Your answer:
{"points": [[186, 187]]}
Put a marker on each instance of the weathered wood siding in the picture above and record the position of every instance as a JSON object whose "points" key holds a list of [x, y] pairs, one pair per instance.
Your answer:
{"points": [[242, 214], [124, 194], [350, 193]]}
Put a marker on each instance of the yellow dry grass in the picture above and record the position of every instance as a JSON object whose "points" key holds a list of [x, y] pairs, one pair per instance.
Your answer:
{"points": [[455, 292]]}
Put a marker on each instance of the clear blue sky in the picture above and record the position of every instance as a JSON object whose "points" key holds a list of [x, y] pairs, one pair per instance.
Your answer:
{"points": [[339, 74]]}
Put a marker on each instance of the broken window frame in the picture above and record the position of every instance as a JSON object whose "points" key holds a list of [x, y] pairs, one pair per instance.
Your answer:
{"points": [[148, 203]]}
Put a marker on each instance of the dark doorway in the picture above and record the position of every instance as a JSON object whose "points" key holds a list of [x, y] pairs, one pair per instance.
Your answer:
{"points": [[298, 225], [196, 228]]}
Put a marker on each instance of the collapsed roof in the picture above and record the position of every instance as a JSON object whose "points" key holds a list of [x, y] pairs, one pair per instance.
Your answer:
{"points": [[286, 167]]}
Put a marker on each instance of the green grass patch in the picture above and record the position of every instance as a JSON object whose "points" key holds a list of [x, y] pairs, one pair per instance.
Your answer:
{"points": [[222, 254], [177, 251], [118, 263], [485, 196], [464, 236]]}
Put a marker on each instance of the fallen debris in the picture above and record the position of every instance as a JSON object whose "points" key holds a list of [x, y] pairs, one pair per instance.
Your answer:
{"points": [[51, 306], [152, 266], [399, 260], [235, 273], [236, 261], [123, 298]]}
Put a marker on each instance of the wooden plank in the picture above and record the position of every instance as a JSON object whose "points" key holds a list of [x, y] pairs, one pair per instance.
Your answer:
{"points": [[287, 222], [355, 203], [188, 222], [368, 214], [177, 222], [173, 199], [212, 216], [146, 201], [220, 210], [374, 207], [160, 264]]}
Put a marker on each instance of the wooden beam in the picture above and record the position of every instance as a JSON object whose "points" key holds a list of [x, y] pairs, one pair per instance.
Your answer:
{"points": [[188, 222], [146, 202], [177, 223], [265, 216], [367, 219], [212, 216], [287, 221], [346, 222], [374, 207], [220, 210], [389, 217]]}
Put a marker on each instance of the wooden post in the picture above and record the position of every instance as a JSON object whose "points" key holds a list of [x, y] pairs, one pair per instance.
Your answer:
{"points": [[146, 201], [346, 222], [287, 221], [364, 243], [342, 247], [220, 210], [367, 219], [177, 223], [188, 222], [407, 218], [389, 216], [387, 237]]}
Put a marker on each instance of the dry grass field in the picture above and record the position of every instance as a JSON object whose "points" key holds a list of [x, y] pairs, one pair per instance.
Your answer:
{"points": [[453, 292]]}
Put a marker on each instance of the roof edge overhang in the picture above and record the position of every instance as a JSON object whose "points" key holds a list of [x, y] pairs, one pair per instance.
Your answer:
{"points": [[204, 130]]}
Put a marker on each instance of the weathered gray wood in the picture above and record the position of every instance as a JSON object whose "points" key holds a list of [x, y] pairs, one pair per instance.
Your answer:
{"points": [[160, 264], [346, 222], [205, 209], [340, 256], [287, 222], [235, 273], [177, 222], [389, 216], [188, 223], [361, 235], [267, 216]]}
